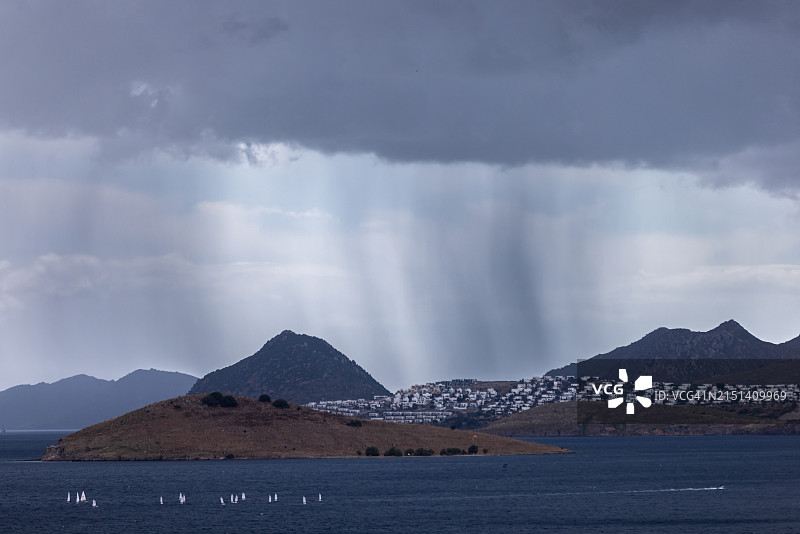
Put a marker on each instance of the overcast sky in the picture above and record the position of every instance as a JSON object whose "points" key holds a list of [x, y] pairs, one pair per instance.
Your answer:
{"points": [[438, 189]]}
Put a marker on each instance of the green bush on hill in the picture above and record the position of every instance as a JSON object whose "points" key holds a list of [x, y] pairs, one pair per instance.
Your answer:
{"points": [[212, 399], [228, 402], [218, 399], [394, 451]]}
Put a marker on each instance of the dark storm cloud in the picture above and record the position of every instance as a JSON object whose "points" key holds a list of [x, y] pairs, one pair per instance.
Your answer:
{"points": [[651, 83]]}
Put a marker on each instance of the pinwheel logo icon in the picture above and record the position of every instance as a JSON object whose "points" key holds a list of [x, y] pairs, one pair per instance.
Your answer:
{"points": [[642, 383]]}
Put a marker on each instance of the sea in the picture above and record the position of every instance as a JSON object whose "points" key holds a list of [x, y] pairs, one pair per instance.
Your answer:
{"points": [[716, 484]]}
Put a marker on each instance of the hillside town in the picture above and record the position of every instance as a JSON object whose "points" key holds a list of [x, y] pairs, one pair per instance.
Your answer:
{"points": [[439, 401], [436, 403]]}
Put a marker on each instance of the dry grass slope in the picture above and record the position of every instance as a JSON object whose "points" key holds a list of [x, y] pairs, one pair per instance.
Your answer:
{"points": [[185, 429]]}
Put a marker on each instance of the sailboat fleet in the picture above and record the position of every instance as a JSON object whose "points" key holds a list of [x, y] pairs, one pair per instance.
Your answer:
{"points": [[80, 497], [234, 499]]}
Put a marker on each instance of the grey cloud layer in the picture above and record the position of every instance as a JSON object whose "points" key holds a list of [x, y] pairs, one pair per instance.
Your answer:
{"points": [[654, 83], [179, 180]]}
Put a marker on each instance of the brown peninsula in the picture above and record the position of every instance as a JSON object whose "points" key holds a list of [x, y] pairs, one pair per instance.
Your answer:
{"points": [[184, 428]]}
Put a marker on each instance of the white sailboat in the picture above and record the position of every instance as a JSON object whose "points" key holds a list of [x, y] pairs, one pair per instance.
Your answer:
{"points": [[77, 497], [270, 498], [94, 503], [231, 498], [243, 496], [161, 500], [83, 496], [276, 497], [304, 499], [236, 499], [68, 496], [222, 501], [320, 497]]}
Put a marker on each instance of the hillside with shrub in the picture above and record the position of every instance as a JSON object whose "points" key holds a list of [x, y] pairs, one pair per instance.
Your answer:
{"points": [[185, 428]]}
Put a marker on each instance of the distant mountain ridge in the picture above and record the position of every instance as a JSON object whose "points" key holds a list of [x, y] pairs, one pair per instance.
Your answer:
{"points": [[83, 400], [296, 367], [729, 341]]}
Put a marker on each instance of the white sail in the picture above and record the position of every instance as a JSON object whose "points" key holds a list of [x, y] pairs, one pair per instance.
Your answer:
{"points": [[276, 497], [242, 495], [320, 497], [222, 501], [270, 498], [231, 498], [94, 503], [68, 496], [304, 499], [83, 496], [236, 499], [161, 500]]}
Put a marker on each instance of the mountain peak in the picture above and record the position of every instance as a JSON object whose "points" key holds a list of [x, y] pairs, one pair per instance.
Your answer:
{"points": [[729, 340], [297, 367], [731, 330], [730, 326]]}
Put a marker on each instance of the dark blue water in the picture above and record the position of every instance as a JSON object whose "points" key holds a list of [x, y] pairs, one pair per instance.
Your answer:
{"points": [[619, 485]]}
